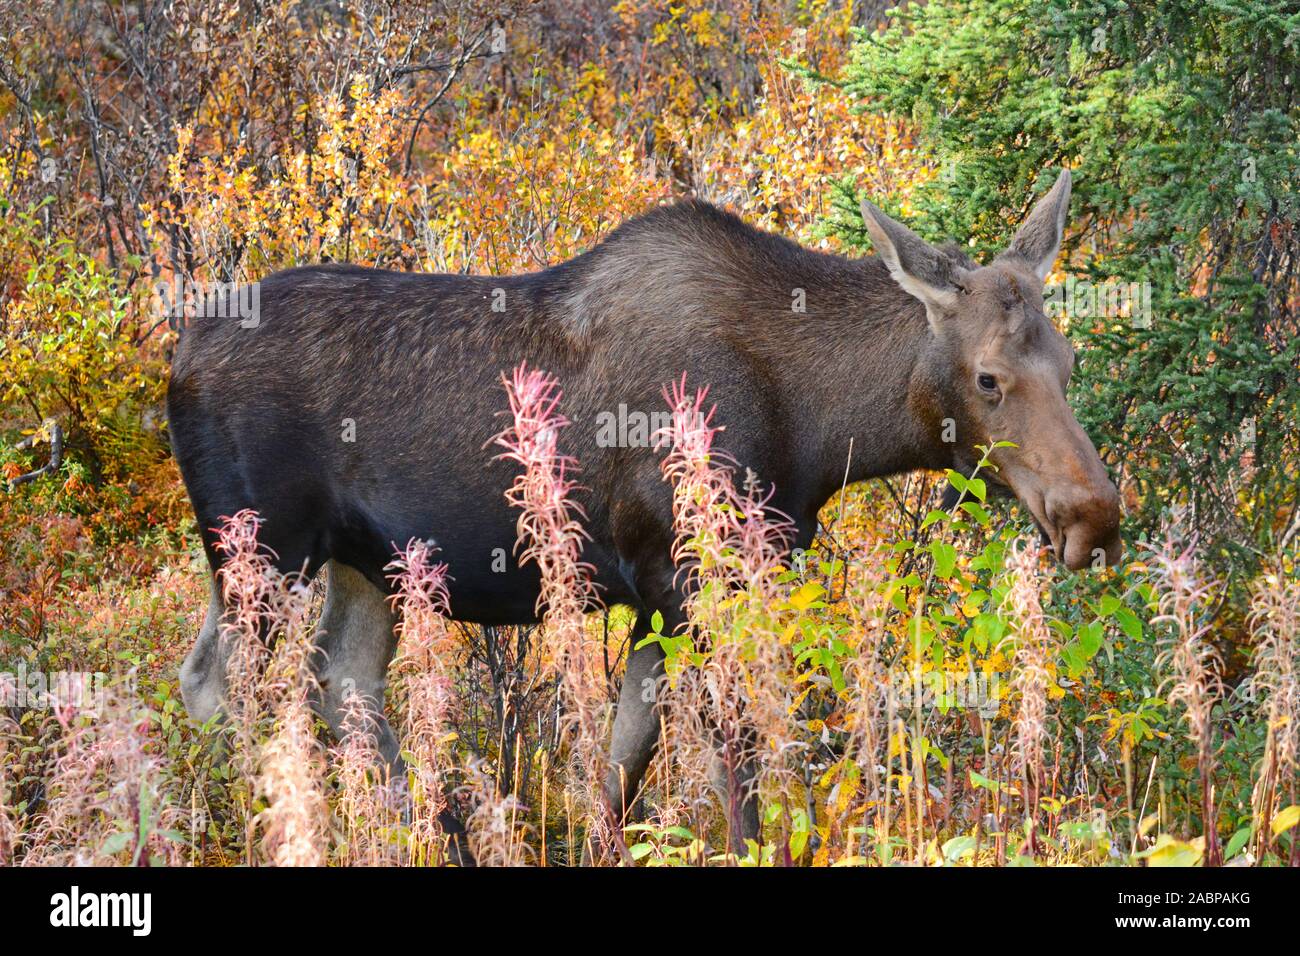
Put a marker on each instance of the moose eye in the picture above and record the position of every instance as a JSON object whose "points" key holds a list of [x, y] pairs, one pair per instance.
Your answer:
{"points": [[987, 382]]}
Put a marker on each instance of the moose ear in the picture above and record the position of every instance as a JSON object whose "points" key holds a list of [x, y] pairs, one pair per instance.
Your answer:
{"points": [[1039, 239], [922, 270]]}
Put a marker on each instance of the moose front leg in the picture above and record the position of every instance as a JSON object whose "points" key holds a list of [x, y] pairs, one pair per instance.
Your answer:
{"points": [[733, 774], [732, 770], [636, 722]]}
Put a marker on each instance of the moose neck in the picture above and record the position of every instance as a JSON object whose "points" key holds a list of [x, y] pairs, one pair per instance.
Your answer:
{"points": [[856, 367]]}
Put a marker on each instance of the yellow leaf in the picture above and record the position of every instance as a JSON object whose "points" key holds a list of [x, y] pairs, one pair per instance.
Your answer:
{"points": [[803, 598], [1171, 852], [1286, 819]]}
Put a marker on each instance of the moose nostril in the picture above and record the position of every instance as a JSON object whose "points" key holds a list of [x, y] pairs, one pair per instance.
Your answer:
{"points": [[1055, 513]]}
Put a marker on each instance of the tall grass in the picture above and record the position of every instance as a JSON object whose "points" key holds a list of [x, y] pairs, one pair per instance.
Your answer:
{"points": [[105, 803], [497, 825], [9, 831], [873, 700]]}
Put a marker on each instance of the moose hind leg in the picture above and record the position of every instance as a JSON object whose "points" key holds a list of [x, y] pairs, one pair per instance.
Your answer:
{"points": [[203, 674], [355, 642]]}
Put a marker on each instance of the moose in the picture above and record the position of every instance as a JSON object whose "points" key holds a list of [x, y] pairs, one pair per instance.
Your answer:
{"points": [[356, 414]]}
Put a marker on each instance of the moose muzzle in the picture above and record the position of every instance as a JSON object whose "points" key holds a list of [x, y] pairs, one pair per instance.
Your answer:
{"points": [[1083, 525]]}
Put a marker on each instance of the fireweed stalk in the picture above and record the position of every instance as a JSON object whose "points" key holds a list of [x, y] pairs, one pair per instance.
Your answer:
{"points": [[1031, 679], [1195, 665], [287, 769], [550, 535], [291, 765], [368, 805], [1275, 620], [426, 648], [249, 586], [730, 714]]}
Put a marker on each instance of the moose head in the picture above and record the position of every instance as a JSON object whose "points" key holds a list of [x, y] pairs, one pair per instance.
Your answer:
{"points": [[999, 370]]}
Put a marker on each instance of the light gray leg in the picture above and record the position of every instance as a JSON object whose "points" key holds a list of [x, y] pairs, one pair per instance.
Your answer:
{"points": [[636, 722], [636, 731], [356, 642], [203, 675]]}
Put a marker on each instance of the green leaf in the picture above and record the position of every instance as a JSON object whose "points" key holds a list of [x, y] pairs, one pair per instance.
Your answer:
{"points": [[1129, 623], [1075, 660], [958, 847], [1239, 840], [935, 515], [977, 512], [945, 558], [1090, 638]]}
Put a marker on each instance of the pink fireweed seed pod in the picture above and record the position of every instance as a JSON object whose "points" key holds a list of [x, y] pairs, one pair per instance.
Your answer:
{"points": [[730, 719], [551, 536], [425, 652]]}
